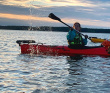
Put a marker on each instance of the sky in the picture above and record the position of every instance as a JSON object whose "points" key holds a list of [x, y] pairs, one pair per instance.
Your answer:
{"points": [[89, 13]]}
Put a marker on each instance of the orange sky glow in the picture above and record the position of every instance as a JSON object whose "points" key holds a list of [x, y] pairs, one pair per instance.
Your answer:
{"points": [[87, 12], [67, 20]]}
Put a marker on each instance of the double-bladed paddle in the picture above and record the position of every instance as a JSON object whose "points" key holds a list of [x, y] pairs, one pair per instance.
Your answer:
{"points": [[52, 16]]}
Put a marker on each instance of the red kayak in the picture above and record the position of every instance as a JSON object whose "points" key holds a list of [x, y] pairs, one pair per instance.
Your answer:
{"points": [[30, 47]]}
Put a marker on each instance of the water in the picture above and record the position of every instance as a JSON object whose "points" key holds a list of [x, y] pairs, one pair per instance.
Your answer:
{"points": [[47, 74]]}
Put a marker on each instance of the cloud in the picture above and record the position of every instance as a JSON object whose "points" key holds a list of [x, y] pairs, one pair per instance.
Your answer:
{"points": [[88, 22], [51, 3], [22, 17], [14, 22], [39, 21], [46, 3], [14, 9], [87, 12], [26, 18], [23, 3]]}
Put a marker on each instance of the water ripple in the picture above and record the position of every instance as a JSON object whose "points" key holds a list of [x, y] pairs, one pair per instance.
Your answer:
{"points": [[47, 74]]}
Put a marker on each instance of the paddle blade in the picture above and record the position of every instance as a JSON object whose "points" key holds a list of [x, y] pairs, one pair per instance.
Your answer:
{"points": [[52, 16]]}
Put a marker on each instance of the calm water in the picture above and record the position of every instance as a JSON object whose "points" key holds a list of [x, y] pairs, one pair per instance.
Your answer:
{"points": [[48, 74]]}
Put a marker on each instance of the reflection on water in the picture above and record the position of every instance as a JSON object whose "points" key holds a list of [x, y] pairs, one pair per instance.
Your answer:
{"points": [[87, 77], [74, 58], [47, 74]]}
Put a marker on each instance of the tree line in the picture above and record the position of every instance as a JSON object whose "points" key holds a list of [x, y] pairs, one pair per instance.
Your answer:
{"points": [[60, 29]]}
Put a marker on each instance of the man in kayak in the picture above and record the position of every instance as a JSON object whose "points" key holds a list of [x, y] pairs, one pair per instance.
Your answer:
{"points": [[74, 38]]}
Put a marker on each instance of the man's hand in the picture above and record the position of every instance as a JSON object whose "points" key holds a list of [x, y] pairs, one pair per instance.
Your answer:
{"points": [[86, 36], [71, 28]]}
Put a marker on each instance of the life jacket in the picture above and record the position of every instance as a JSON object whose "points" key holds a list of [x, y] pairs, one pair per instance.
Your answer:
{"points": [[77, 40]]}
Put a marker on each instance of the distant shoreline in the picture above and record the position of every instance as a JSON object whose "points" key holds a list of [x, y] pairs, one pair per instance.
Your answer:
{"points": [[56, 29]]}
